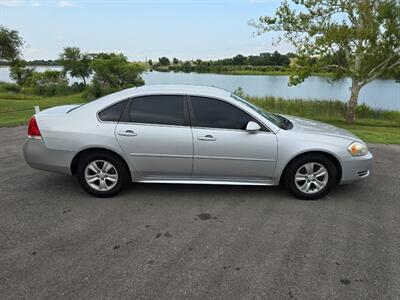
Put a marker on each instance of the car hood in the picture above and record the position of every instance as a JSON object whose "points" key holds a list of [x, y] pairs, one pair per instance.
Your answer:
{"points": [[302, 125]]}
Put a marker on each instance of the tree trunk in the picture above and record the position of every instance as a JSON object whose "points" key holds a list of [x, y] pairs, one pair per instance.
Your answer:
{"points": [[352, 104], [84, 80]]}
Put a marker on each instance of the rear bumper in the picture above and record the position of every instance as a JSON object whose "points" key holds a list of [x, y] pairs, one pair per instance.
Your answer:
{"points": [[38, 156], [356, 168]]}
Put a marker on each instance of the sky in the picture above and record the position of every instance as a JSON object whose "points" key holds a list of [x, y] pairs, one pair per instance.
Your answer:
{"points": [[141, 29]]}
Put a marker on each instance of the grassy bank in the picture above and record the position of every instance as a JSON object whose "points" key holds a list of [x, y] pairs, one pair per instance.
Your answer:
{"points": [[374, 126], [234, 70], [269, 73]]}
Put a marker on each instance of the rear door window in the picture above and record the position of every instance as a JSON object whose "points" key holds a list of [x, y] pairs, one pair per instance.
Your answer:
{"points": [[158, 109]]}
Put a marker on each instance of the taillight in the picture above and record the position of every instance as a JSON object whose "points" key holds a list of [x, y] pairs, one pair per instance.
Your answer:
{"points": [[33, 129]]}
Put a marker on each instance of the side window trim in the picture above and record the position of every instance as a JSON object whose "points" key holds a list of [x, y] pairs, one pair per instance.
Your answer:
{"points": [[125, 114], [193, 115], [186, 113]]}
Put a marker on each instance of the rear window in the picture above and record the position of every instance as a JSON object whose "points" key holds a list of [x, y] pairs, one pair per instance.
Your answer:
{"points": [[113, 113]]}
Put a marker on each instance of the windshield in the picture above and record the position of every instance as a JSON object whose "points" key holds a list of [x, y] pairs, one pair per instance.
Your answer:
{"points": [[269, 116]]}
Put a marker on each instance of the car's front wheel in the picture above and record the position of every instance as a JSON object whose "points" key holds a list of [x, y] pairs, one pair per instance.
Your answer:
{"points": [[102, 174], [310, 176]]}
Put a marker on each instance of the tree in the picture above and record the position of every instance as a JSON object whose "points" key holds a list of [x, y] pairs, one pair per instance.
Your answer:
{"points": [[20, 72], [48, 83], [186, 66], [279, 59], [239, 91], [239, 60], [113, 72], [10, 44], [150, 62], [175, 61], [164, 61], [359, 39], [75, 63]]}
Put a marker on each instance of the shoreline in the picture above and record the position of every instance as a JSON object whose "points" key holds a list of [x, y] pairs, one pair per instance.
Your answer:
{"points": [[239, 72]]}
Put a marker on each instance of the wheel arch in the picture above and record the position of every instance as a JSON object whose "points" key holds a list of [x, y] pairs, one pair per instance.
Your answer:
{"points": [[328, 155], [83, 152]]}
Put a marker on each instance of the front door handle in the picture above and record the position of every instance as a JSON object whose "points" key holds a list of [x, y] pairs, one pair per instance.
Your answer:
{"points": [[127, 133], [207, 137]]}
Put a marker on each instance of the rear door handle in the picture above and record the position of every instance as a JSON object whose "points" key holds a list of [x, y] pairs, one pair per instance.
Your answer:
{"points": [[127, 133], [207, 137]]}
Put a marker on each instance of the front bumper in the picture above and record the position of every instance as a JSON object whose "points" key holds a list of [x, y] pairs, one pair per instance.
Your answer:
{"points": [[356, 168], [38, 156]]}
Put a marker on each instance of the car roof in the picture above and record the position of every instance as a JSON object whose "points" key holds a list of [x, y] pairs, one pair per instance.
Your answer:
{"points": [[182, 88], [165, 89], [152, 89]]}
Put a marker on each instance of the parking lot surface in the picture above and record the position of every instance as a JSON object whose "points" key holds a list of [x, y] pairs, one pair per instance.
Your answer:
{"points": [[196, 241]]}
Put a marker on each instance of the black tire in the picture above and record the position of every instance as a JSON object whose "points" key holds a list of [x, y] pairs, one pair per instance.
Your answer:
{"points": [[121, 170], [291, 170]]}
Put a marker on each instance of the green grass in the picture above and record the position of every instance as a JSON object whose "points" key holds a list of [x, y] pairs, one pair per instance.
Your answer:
{"points": [[389, 134], [318, 109], [373, 126], [17, 96], [18, 111]]}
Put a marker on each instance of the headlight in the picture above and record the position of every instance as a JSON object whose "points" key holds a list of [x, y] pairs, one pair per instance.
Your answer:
{"points": [[357, 149]]}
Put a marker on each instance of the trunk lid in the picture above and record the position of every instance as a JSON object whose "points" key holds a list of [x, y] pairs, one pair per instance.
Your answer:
{"points": [[58, 110]]}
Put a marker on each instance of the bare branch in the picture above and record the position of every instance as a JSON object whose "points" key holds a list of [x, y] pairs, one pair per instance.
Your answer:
{"points": [[381, 65], [397, 63], [378, 73], [335, 66]]}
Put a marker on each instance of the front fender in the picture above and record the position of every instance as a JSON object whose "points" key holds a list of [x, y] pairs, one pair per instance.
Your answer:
{"points": [[290, 147]]}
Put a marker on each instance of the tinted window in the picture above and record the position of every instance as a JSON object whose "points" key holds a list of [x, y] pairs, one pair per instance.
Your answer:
{"points": [[113, 113], [269, 116], [218, 114], [166, 110]]}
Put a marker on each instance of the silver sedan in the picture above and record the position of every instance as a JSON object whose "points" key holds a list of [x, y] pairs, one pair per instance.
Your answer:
{"points": [[195, 135]]}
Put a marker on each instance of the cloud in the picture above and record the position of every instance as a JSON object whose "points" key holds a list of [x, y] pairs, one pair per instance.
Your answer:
{"points": [[36, 3], [65, 3], [33, 3], [11, 2]]}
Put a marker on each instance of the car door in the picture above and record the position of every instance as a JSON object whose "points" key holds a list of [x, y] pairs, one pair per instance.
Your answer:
{"points": [[154, 132], [223, 149]]}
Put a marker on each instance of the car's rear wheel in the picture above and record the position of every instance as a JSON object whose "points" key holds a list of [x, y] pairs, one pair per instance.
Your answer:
{"points": [[310, 176], [102, 174]]}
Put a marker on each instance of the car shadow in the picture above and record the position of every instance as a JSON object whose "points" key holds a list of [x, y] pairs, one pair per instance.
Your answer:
{"points": [[200, 191], [206, 189], [65, 182]]}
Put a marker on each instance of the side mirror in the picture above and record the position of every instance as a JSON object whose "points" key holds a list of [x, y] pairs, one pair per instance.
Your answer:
{"points": [[252, 127]]}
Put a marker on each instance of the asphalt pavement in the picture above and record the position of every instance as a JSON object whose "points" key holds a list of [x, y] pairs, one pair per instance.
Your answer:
{"points": [[158, 241]]}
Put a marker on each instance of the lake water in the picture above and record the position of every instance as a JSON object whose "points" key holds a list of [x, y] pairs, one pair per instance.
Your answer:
{"points": [[383, 94]]}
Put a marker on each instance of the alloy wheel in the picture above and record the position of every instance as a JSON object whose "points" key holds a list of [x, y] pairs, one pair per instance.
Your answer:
{"points": [[311, 178], [101, 175]]}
